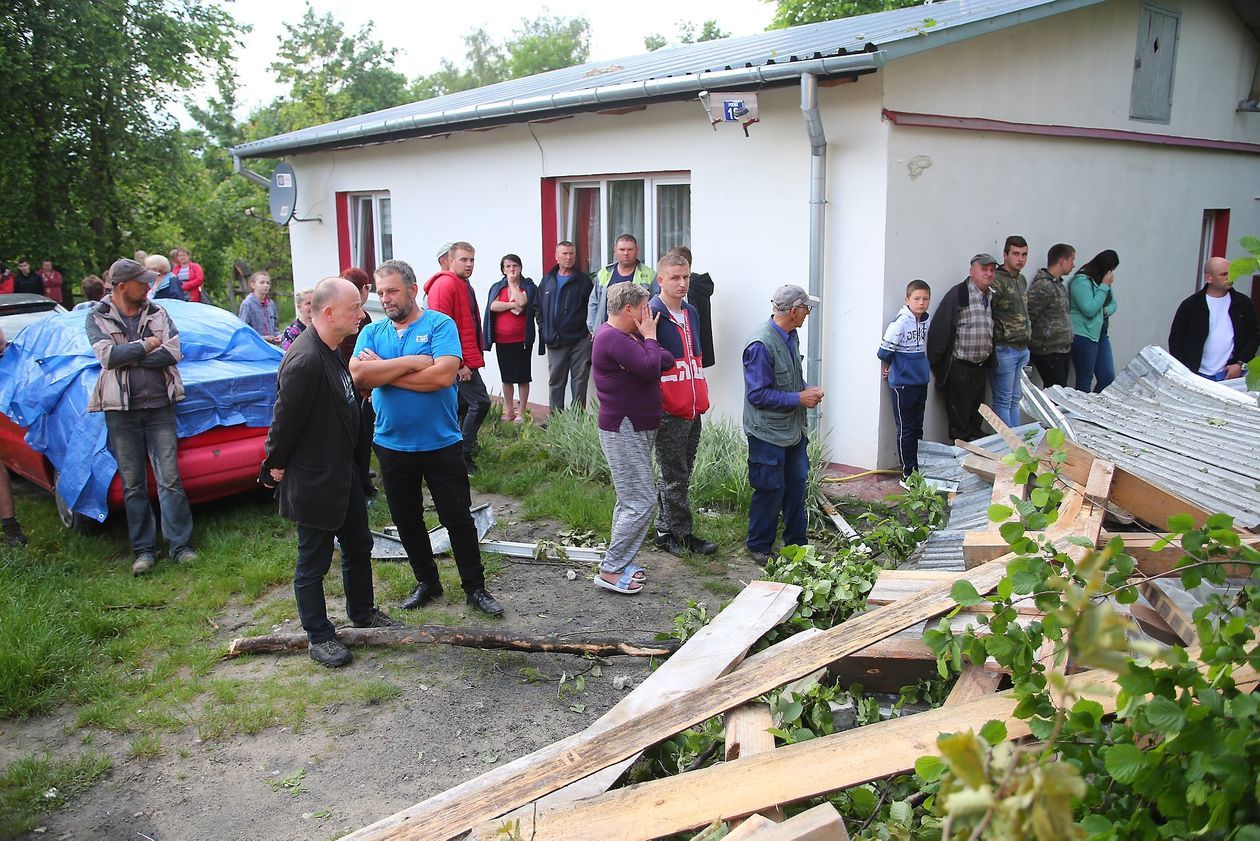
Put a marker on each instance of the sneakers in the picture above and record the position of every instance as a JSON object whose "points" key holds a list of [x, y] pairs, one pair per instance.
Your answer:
{"points": [[761, 558], [485, 602], [13, 533], [668, 543], [331, 653], [379, 619], [184, 555], [143, 563]]}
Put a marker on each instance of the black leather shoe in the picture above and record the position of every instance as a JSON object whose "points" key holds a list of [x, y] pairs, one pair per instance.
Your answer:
{"points": [[668, 543], [485, 602], [420, 595], [699, 545]]}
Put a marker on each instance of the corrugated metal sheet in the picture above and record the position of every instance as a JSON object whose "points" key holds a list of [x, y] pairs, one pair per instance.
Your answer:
{"points": [[1196, 438], [969, 509], [897, 33]]}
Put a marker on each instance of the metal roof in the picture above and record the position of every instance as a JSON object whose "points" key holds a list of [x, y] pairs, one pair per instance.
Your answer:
{"points": [[838, 47], [1191, 436]]}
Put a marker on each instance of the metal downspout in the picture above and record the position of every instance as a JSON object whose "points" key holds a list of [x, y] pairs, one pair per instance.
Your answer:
{"points": [[817, 231]]}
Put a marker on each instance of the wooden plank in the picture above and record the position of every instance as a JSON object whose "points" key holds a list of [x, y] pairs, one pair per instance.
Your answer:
{"points": [[710, 653], [748, 829], [898, 584], [974, 683], [999, 426], [748, 734], [821, 823], [985, 545], [1089, 523], [977, 450], [498, 791], [1143, 499], [1004, 486], [789, 774], [1149, 620], [985, 468], [1175, 605]]}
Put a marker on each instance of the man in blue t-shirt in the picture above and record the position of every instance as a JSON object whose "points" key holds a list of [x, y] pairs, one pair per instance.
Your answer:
{"points": [[410, 362]]}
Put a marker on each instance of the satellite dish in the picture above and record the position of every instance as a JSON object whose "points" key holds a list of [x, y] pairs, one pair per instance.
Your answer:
{"points": [[283, 194]]}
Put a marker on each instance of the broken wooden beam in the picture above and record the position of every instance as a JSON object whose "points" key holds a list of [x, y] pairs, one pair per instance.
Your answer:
{"points": [[457, 810], [712, 651], [821, 823], [748, 734], [448, 635], [790, 774], [974, 683]]}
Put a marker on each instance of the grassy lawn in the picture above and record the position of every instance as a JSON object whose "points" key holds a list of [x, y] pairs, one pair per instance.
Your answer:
{"points": [[81, 637]]}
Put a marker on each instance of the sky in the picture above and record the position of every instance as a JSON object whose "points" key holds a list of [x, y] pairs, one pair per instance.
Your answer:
{"points": [[426, 32]]}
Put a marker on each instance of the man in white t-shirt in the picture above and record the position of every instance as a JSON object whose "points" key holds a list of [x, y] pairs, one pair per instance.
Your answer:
{"points": [[1215, 332]]}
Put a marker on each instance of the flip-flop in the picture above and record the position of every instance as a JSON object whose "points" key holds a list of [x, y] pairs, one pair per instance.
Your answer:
{"points": [[505, 418], [622, 584], [637, 572]]}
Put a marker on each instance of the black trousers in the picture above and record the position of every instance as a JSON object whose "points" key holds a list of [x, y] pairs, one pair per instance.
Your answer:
{"points": [[1052, 368], [472, 408], [446, 474], [314, 557], [964, 392]]}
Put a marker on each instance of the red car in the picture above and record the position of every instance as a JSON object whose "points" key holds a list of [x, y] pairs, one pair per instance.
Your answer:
{"points": [[229, 374]]}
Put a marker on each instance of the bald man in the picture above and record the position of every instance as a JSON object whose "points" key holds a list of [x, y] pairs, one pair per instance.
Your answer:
{"points": [[1214, 332], [313, 456]]}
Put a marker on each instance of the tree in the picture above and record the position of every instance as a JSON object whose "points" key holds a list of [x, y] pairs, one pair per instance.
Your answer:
{"points": [[85, 143], [795, 12], [709, 31], [541, 44]]}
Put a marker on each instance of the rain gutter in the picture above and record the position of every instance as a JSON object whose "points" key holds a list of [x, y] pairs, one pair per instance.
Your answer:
{"points": [[817, 231]]}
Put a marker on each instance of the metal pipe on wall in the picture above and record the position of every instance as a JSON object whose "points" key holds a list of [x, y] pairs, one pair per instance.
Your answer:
{"points": [[817, 231]]}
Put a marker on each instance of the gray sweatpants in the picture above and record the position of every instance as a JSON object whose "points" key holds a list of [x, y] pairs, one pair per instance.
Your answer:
{"points": [[676, 444], [629, 455], [570, 365]]}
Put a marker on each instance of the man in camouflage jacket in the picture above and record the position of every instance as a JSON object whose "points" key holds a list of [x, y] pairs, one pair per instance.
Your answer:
{"points": [[1051, 341]]}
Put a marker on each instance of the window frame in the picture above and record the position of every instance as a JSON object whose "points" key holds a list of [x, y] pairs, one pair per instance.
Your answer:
{"points": [[354, 201], [566, 210]]}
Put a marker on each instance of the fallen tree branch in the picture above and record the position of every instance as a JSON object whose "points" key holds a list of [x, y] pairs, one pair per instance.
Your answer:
{"points": [[444, 635]]}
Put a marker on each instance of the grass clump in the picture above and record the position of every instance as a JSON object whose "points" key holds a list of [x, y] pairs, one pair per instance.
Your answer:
{"points": [[35, 785]]}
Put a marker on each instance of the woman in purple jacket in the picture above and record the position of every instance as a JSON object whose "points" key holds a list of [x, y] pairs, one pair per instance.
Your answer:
{"points": [[628, 362]]}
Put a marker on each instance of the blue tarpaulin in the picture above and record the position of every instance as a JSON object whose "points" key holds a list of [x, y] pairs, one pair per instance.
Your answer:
{"points": [[49, 370]]}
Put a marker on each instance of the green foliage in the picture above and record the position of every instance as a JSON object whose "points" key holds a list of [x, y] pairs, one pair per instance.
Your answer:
{"points": [[832, 588], [896, 533], [1181, 757], [86, 149], [709, 31], [796, 12]]}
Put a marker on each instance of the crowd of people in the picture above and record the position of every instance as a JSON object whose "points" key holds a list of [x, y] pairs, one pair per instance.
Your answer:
{"points": [[349, 386], [991, 326]]}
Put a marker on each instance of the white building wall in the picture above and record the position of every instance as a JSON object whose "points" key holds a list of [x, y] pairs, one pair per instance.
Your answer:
{"points": [[750, 217], [1076, 69]]}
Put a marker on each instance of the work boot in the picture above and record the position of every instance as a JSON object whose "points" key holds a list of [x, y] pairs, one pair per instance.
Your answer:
{"points": [[668, 543], [699, 545], [13, 532], [330, 653], [143, 563]]}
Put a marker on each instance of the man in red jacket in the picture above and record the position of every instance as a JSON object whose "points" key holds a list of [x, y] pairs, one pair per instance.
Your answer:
{"points": [[450, 292], [685, 397]]}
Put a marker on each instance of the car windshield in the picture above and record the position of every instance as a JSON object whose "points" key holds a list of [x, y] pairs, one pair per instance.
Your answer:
{"points": [[16, 314]]}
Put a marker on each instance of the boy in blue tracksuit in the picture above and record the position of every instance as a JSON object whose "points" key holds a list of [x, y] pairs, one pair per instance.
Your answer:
{"points": [[904, 355]]}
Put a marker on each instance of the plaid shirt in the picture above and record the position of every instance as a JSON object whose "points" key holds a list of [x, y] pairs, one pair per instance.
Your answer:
{"points": [[973, 331]]}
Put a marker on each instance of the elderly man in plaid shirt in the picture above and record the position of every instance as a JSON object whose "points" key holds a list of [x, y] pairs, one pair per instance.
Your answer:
{"points": [[960, 347]]}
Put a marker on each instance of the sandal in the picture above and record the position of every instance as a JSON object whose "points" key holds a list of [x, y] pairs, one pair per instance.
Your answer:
{"points": [[506, 417], [520, 418], [637, 572], [626, 584]]}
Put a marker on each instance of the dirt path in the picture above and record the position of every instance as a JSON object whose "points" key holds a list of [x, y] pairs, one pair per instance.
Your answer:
{"points": [[459, 712]]}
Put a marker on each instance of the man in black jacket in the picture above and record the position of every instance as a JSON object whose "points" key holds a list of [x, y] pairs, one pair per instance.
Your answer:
{"points": [[960, 347], [1215, 332], [313, 454], [562, 333]]}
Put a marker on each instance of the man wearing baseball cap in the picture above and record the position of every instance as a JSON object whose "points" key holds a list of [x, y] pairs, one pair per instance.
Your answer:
{"points": [[776, 398], [139, 384], [960, 347]]}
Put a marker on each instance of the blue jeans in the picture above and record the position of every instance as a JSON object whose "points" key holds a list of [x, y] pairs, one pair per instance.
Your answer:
{"points": [[136, 438], [1004, 382], [1092, 361], [777, 475]]}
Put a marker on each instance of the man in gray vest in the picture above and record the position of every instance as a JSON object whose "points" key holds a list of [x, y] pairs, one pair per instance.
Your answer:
{"points": [[775, 399]]}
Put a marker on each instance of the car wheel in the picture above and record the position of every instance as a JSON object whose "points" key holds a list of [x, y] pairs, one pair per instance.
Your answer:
{"points": [[70, 518]]}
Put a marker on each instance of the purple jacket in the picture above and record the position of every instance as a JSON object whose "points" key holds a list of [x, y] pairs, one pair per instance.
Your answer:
{"points": [[628, 378]]}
